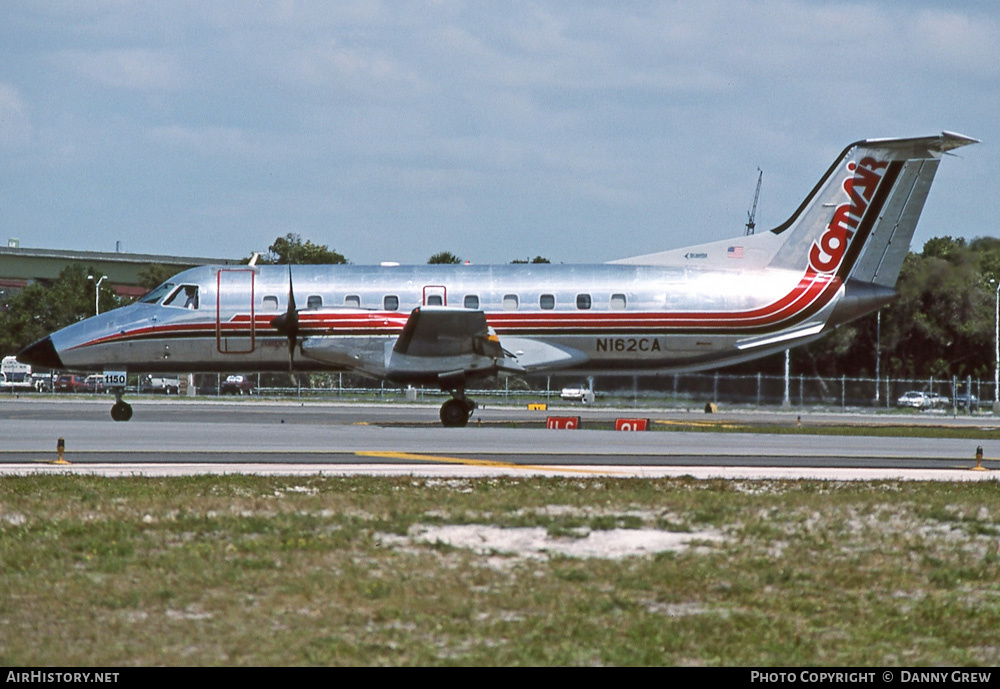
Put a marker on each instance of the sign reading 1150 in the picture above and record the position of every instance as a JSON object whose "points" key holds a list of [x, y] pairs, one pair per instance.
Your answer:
{"points": [[114, 379]]}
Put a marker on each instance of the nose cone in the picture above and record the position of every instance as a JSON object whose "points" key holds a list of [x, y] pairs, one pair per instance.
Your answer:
{"points": [[41, 354]]}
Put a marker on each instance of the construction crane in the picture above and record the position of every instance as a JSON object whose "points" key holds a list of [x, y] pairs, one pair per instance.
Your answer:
{"points": [[752, 213]]}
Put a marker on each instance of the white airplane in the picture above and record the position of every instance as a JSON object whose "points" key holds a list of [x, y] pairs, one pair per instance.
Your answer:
{"points": [[835, 259]]}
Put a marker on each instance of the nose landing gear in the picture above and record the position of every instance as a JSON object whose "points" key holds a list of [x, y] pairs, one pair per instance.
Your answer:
{"points": [[121, 410], [457, 411]]}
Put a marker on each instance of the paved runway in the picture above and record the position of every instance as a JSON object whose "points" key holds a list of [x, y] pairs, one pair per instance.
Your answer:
{"points": [[178, 436]]}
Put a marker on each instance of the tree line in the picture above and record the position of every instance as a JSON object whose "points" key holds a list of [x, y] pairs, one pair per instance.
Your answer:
{"points": [[941, 325]]}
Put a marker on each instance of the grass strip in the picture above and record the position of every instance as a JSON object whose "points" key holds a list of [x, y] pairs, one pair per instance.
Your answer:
{"points": [[247, 570]]}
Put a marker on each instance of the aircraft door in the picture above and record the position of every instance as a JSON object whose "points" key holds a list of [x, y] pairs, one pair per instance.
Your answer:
{"points": [[435, 295], [234, 322]]}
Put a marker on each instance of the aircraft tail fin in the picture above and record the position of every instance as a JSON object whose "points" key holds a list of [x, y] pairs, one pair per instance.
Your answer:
{"points": [[858, 221]]}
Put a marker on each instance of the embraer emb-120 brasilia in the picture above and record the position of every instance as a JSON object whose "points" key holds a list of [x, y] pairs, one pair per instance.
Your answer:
{"points": [[836, 259]]}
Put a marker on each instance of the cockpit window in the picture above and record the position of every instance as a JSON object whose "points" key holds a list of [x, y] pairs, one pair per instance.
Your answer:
{"points": [[185, 296], [157, 293]]}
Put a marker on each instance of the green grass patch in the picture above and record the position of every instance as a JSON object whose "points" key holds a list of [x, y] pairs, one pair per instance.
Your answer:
{"points": [[243, 570]]}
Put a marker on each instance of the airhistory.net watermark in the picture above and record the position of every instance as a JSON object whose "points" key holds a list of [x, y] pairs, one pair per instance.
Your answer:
{"points": [[48, 677]]}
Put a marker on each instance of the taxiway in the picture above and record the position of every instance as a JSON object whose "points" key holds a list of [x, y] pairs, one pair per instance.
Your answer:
{"points": [[179, 436]]}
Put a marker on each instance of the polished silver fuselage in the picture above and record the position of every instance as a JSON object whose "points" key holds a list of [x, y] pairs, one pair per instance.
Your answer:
{"points": [[610, 317]]}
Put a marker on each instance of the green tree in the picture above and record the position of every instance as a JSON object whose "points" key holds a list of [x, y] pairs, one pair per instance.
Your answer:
{"points": [[942, 323], [291, 249], [444, 257], [35, 311], [536, 259], [155, 274], [943, 247]]}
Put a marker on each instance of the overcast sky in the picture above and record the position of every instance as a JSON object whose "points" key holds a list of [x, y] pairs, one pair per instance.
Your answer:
{"points": [[581, 131]]}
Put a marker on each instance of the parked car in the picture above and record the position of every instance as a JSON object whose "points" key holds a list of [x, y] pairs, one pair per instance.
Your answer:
{"points": [[936, 401], [94, 383], [237, 385], [168, 385], [580, 394], [967, 402], [69, 383], [914, 399]]}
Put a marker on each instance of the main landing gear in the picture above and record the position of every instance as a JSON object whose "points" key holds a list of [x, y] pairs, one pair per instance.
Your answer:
{"points": [[457, 411], [121, 410]]}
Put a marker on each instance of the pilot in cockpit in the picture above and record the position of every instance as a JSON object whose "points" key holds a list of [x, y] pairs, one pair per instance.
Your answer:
{"points": [[191, 297]]}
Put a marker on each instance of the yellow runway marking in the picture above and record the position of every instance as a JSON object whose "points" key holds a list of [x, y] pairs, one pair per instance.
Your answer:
{"points": [[478, 462], [699, 424]]}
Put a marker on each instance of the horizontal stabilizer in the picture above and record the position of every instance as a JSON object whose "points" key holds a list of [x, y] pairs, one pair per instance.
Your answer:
{"points": [[787, 336], [536, 355]]}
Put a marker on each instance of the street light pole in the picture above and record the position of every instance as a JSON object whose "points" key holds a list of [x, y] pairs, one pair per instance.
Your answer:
{"points": [[97, 293], [996, 342], [878, 351]]}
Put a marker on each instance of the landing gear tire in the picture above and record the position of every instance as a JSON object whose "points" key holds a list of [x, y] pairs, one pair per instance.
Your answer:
{"points": [[121, 411], [456, 413]]}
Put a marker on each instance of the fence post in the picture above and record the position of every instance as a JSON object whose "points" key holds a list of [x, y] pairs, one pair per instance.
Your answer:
{"points": [[787, 402]]}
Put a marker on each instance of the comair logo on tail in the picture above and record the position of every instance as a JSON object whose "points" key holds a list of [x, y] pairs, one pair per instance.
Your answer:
{"points": [[826, 254]]}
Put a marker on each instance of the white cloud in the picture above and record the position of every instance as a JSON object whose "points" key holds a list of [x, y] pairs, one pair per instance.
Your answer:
{"points": [[204, 141], [959, 41], [133, 69], [15, 123], [333, 65]]}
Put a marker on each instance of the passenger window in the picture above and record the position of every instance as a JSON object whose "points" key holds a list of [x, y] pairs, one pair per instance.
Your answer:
{"points": [[269, 303], [434, 300], [510, 302], [471, 301], [618, 302], [185, 296], [547, 301], [583, 301], [352, 301], [390, 302], [314, 302]]}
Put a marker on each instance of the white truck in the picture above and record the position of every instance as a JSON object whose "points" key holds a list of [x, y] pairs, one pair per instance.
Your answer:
{"points": [[168, 385], [580, 394], [15, 376]]}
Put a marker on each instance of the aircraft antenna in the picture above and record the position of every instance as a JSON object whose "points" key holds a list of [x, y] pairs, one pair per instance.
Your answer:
{"points": [[752, 213]]}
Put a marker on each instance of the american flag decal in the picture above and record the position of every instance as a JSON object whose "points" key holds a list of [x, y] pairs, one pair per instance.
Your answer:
{"points": [[734, 252]]}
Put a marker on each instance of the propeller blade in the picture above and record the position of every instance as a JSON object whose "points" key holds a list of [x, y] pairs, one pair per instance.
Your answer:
{"points": [[288, 323]]}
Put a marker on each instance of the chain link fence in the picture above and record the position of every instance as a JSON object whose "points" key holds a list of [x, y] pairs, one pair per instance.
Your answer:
{"points": [[695, 389]]}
